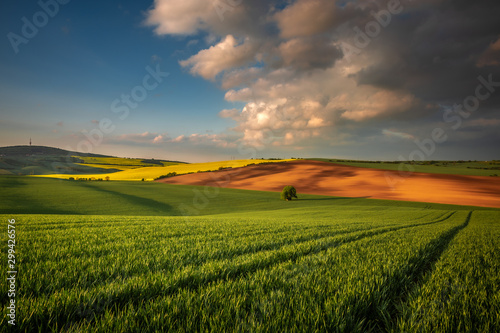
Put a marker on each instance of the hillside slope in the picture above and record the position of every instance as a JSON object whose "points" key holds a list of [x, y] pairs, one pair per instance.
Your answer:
{"points": [[41, 160], [152, 173], [16, 151], [36, 195], [313, 177]]}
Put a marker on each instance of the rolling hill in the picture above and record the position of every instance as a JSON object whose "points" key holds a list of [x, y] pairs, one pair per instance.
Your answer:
{"points": [[42, 160], [104, 256], [324, 178]]}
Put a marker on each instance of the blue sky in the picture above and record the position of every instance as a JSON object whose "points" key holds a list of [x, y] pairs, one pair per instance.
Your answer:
{"points": [[89, 54], [259, 79]]}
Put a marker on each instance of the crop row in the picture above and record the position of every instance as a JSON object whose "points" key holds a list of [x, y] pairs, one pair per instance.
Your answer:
{"points": [[71, 276], [462, 293], [349, 287], [81, 258]]}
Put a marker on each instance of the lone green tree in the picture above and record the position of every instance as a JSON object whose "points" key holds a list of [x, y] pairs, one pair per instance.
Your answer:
{"points": [[288, 193]]}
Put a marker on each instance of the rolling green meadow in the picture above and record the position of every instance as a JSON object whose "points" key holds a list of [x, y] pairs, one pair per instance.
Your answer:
{"points": [[145, 257]]}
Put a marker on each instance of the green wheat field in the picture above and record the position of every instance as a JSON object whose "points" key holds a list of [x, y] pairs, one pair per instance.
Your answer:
{"points": [[121, 257]]}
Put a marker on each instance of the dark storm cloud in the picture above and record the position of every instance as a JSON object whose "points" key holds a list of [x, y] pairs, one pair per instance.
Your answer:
{"points": [[434, 53], [287, 62]]}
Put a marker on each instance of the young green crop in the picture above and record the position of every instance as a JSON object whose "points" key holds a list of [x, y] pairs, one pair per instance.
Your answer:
{"points": [[311, 268], [347, 288], [29, 195], [462, 293]]}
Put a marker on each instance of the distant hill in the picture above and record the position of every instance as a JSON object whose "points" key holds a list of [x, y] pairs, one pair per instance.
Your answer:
{"points": [[41, 150], [41, 160]]}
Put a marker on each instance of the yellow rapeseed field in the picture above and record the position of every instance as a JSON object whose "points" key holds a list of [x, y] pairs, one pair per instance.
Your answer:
{"points": [[150, 173]]}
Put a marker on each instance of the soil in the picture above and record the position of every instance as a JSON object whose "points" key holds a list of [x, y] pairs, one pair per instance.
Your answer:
{"points": [[314, 177]]}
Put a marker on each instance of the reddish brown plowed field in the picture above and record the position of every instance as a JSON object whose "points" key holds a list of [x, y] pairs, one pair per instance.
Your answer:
{"points": [[324, 178]]}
